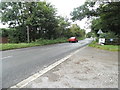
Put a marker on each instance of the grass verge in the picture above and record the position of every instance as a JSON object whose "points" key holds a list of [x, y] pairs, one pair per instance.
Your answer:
{"points": [[105, 47], [39, 42]]}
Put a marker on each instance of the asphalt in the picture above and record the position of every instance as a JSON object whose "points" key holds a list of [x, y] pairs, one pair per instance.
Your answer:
{"points": [[19, 64]]}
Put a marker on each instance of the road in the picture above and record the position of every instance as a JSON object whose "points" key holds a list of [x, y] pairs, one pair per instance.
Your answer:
{"points": [[19, 64]]}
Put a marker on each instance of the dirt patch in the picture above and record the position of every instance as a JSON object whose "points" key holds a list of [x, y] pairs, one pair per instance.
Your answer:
{"points": [[89, 68]]}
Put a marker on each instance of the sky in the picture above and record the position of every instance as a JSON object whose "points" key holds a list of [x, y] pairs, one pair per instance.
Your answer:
{"points": [[65, 7]]}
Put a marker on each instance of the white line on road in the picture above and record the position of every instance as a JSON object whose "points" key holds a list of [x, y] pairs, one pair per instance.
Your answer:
{"points": [[45, 70], [6, 57]]}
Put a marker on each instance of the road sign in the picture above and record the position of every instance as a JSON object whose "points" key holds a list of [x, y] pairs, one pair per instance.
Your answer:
{"points": [[101, 40], [99, 32]]}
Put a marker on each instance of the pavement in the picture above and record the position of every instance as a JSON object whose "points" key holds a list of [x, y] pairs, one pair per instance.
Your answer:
{"points": [[87, 68]]}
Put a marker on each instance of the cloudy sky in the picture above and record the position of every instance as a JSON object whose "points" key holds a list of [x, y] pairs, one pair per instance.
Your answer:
{"points": [[65, 7]]}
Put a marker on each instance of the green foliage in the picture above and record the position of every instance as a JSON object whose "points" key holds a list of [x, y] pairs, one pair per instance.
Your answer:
{"points": [[110, 35], [17, 35], [108, 16], [76, 31], [90, 34], [4, 32], [39, 42], [96, 25], [83, 11], [39, 17], [62, 27], [103, 35]]}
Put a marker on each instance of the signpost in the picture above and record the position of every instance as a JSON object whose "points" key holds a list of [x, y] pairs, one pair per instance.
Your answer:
{"points": [[101, 40], [28, 37]]}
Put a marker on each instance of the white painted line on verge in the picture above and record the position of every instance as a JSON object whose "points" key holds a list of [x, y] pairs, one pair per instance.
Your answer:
{"points": [[40, 73], [6, 57]]}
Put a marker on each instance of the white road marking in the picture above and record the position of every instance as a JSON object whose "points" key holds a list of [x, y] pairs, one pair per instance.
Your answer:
{"points": [[6, 57], [45, 70]]}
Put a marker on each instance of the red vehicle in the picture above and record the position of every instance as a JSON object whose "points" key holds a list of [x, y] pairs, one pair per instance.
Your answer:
{"points": [[73, 39]]}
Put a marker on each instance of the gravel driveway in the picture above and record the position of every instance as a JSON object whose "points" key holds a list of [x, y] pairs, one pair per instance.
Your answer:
{"points": [[89, 68]]}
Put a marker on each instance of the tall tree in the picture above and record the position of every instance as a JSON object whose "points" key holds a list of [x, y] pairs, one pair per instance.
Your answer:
{"points": [[75, 30], [110, 17], [108, 14], [39, 17], [63, 25], [83, 11]]}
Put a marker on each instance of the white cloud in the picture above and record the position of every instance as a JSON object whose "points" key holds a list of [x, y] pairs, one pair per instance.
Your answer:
{"points": [[65, 7], [3, 26]]}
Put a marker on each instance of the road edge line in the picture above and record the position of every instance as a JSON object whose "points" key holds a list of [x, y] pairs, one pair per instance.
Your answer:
{"points": [[31, 78]]}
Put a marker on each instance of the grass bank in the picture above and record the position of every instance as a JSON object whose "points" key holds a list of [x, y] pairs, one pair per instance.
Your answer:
{"points": [[105, 47], [39, 42]]}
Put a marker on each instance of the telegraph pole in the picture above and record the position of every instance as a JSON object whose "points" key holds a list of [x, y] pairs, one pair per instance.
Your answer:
{"points": [[28, 37]]}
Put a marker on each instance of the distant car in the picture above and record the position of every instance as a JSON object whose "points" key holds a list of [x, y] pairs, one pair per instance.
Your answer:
{"points": [[73, 39]]}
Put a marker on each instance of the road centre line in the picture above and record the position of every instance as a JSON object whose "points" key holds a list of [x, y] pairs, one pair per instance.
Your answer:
{"points": [[45, 70]]}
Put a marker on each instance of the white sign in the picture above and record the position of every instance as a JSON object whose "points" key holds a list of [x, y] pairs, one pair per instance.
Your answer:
{"points": [[101, 40], [99, 32]]}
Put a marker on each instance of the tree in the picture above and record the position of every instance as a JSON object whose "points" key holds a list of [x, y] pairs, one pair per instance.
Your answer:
{"points": [[63, 25], [76, 31], [39, 17], [83, 11], [108, 15], [96, 25], [90, 34], [3, 32]]}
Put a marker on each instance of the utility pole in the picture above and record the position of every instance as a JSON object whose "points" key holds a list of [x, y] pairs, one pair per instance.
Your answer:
{"points": [[28, 37]]}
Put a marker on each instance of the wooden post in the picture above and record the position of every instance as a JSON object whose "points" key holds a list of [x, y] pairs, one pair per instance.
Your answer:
{"points": [[28, 37]]}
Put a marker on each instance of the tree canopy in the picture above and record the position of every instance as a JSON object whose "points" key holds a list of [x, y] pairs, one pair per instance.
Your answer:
{"points": [[107, 13], [39, 18]]}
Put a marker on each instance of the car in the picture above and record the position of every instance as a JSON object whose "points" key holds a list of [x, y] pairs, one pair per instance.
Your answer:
{"points": [[73, 39]]}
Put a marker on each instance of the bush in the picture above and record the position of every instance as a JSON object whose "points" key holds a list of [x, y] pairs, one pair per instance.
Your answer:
{"points": [[4, 32], [110, 38], [112, 41], [38, 42]]}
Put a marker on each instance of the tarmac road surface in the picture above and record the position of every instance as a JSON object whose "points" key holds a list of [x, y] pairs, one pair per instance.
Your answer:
{"points": [[19, 64]]}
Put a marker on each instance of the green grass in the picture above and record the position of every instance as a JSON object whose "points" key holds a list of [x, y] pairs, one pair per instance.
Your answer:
{"points": [[14, 46], [39, 42], [105, 47]]}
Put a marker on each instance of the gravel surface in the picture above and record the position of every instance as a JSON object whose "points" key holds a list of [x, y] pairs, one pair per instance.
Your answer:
{"points": [[89, 68]]}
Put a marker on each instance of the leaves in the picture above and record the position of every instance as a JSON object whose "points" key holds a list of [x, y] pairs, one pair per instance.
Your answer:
{"points": [[83, 11], [108, 16], [39, 17]]}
